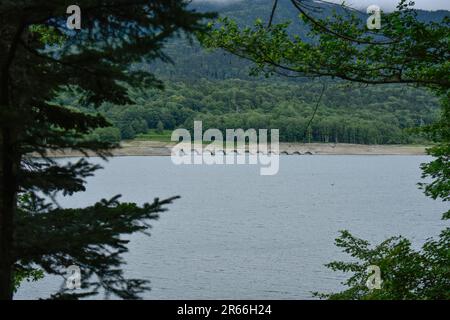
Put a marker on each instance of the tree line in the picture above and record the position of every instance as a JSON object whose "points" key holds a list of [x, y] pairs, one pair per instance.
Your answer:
{"points": [[345, 114]]}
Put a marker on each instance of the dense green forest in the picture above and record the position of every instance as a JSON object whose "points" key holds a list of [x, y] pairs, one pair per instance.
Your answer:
{"points": [[347, 114], [191, 61], [216, 87]]}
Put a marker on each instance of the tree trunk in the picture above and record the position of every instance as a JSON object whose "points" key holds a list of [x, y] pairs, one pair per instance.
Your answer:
{"points": [[9, 168], [8, 195]]}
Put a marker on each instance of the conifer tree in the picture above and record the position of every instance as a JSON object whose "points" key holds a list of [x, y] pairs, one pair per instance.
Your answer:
{"points": [[38, 55]]}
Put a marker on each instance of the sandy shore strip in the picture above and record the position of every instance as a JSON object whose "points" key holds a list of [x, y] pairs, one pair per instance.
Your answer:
{"points": [[154, 148]]}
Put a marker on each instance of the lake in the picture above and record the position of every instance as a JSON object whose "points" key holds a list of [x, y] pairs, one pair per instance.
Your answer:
{"points": [[235, 234]]}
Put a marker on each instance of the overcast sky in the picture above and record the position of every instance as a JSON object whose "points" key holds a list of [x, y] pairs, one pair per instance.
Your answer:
{"points": [[391, 4], [384, 4]]}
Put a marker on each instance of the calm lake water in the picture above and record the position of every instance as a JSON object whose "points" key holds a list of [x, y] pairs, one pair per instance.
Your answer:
{"points": [[237, 235]]}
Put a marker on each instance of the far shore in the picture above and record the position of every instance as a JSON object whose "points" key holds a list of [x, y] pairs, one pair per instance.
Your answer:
{"points": [[155, 148]]}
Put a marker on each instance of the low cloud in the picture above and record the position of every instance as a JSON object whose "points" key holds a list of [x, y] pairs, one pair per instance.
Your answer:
{"points": [[387, 5], [217, 1]]}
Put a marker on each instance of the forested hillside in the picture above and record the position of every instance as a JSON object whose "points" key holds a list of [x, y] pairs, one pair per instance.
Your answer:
{"points": [[216, 87], [193, 62], [350, 114]]}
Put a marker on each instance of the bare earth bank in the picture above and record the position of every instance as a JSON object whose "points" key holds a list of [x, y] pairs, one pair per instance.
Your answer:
{"points": [[154, 148]]}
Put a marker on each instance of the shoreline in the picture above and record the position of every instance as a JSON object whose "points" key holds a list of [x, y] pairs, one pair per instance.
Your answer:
{"points": [[155, 148]]}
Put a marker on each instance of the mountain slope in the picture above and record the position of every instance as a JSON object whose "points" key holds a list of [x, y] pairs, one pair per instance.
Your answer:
{"points": [[193, 62]]}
